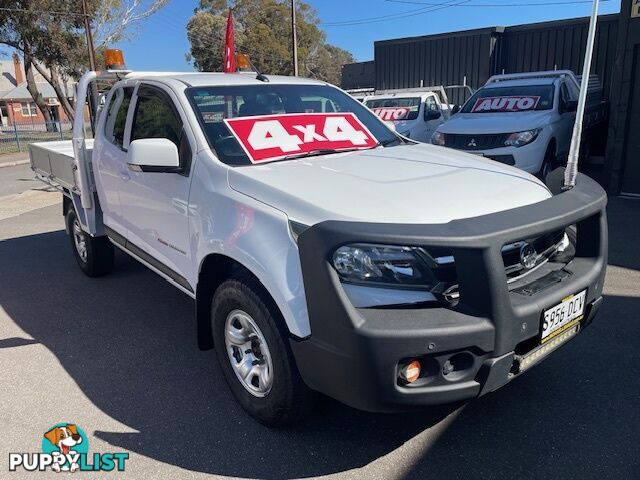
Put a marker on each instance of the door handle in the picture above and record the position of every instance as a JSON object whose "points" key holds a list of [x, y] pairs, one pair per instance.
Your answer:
{"points": [[125, 176]]}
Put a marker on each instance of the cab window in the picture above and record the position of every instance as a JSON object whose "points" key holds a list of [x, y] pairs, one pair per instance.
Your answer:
{"points": [[117, 116], [430, 105], [564, 97], [155, 116]]}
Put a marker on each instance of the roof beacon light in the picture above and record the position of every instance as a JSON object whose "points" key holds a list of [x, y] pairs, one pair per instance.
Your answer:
{"points": [[243, 64], [113, 59]]}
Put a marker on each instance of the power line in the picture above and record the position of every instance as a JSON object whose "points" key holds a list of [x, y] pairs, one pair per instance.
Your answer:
{"points": [[396, 16], [527, 4]]}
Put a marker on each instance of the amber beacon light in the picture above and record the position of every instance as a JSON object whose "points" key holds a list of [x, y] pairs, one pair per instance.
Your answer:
{"points": [[243, 64], [113, 59]]}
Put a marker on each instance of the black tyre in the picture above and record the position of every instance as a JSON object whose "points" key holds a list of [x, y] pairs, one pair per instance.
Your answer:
{"points": [[549, 162], [251, 343], [93, 254]]}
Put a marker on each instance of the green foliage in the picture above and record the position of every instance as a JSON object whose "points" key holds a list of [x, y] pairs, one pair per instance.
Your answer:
{"points": [[263, 31]]}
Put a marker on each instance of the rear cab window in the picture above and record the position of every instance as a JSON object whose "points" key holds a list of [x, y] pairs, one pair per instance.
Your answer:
{"points": [[117, 116]]}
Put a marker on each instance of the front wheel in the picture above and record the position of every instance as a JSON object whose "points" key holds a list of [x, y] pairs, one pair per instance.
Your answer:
{"points": [[94, 255], [548, 164], [251, 344]]}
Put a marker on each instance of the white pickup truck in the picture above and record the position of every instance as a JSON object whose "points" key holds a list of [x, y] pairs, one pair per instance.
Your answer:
{"points": [[414, 112], [521, 119], [323, 251]]}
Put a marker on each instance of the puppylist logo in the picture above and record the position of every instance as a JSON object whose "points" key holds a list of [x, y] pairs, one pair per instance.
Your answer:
{"points": [[65, 448]]}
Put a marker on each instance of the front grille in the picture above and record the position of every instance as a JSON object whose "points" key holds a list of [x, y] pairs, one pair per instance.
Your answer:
{"points": [[474, 142], [545, 246]]}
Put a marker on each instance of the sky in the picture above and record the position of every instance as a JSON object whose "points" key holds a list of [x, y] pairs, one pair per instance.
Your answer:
{"points": [[160, 43]]}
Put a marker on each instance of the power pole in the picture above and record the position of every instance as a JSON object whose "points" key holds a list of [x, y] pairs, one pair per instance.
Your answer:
{"points": [[93, 92], [89, 35], [294, 37]]}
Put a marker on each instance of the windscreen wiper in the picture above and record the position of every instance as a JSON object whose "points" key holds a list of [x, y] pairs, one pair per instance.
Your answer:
{"points": [[327, 151], [318, 152]]}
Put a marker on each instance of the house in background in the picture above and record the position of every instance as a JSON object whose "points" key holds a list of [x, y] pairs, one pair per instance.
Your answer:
{"points": [[17, 105]]}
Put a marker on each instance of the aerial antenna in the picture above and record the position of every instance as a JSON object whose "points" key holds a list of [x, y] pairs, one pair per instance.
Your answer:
{"points": [[571, 172]]}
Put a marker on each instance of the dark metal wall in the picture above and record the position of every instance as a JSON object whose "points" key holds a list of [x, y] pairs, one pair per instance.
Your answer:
{"points": [[446, 59], [436, 59], [622, 165], [358, 75], [559, 45]]}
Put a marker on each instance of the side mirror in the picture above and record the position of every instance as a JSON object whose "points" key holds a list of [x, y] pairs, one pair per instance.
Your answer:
{"points": [[455, 109], [431, 115], [153, 155], [571, 105]]}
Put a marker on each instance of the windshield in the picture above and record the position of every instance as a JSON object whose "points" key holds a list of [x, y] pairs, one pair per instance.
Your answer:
{"points": [[510, 99], [217, 107], [395, 108]]}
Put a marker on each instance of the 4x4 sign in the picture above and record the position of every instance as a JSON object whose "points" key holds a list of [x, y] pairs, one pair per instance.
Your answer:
{"points": [[271, 137]]}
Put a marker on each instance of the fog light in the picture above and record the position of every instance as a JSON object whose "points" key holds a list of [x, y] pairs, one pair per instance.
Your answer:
{"points": [[410, 372]]}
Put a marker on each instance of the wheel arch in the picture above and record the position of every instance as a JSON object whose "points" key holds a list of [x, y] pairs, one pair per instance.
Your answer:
{"points": [[553, 143], [66, 206], [215, 268]]}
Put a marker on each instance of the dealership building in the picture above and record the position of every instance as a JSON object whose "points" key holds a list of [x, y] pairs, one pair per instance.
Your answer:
{"points": [[472, 56]]}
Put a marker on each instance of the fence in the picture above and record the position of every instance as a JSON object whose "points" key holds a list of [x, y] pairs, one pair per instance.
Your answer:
{"points": [[16, 137]]}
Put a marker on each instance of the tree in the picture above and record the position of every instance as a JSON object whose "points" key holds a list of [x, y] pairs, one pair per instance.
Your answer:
{"points": [[263, 32], [50, 36]]}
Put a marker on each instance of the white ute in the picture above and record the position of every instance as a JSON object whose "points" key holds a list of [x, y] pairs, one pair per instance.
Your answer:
{"points": [[520, 119], [324, 252], [414, 112]]}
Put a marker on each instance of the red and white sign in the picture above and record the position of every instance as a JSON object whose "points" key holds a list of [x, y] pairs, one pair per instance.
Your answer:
{"points": [[505, 104], [392, 113], [272, 137]]}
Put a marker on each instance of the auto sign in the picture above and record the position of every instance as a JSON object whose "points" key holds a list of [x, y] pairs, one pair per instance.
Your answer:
{"points": [[505, 104], [392, 113], [272, 137]]}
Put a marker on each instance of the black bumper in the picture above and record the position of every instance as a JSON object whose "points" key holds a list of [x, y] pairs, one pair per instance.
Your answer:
{"points": [[353, 355]]}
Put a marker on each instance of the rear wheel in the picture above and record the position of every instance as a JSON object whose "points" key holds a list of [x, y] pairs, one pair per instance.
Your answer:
{"points": [[94, 255], [252, 349]]}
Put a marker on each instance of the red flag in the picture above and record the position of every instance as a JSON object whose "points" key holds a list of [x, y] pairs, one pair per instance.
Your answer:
{"points": [[229, 47]]}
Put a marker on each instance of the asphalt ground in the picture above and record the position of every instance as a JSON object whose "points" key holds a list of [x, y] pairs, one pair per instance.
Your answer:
{"points": [[117, 356]]}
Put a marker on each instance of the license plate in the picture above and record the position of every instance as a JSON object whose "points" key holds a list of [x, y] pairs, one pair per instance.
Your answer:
{"points": [[563, 316]]}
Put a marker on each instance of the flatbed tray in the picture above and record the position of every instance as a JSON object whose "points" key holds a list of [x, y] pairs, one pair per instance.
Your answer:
{"points": [[54, 162]]}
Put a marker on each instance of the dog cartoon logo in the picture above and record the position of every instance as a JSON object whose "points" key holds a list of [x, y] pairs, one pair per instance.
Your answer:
{"points": [[66, 437], [65, 448]]}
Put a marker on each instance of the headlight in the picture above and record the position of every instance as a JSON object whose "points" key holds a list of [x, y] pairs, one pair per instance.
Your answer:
{"points": [[382, 265], [522, 138], [437, 138]]}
